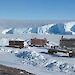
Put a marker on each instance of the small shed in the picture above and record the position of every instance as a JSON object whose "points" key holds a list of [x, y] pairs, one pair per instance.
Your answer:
{"points": [[16, 44], [38, 42]]}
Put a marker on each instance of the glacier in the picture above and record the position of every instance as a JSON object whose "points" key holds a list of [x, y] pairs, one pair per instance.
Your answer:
{"points": [[67, 28]]}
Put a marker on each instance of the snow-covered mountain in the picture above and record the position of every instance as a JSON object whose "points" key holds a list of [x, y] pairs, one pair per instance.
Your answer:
{"points": [[8, 31], [67, 28]]}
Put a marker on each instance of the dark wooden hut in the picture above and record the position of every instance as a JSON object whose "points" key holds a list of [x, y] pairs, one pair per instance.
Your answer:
{"points": [[16, 44], [38, 42]]}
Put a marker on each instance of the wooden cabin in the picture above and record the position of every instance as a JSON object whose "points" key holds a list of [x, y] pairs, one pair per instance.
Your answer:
{"points": [[67, 43], [38, 42], [16, 44]]}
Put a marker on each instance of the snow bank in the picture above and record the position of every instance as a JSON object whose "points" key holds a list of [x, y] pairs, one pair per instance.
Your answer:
{"points": [[53, 44], [31, 57], [4, 42], [59, 66]]}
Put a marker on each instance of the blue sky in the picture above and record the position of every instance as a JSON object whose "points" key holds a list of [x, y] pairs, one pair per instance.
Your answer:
{"points": [[37, 9]]}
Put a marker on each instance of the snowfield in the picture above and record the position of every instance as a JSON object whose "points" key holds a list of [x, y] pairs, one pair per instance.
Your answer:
{"points": [[35, 59], [32, 60]]}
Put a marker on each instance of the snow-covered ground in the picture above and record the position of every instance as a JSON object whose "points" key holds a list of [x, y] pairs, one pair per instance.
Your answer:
{"points": [[33, 59]]}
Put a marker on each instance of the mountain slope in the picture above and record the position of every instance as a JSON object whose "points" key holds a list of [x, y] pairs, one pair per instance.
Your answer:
{"points": [[67, 28]]}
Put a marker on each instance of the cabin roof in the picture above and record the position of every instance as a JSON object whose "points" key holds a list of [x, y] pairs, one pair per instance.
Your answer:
{"points": [[15, 41], [64, 39]]}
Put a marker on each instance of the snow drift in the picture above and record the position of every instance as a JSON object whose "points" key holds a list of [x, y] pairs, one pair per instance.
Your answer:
{"points": [[60, 66], [4, 42], [31, 57]]}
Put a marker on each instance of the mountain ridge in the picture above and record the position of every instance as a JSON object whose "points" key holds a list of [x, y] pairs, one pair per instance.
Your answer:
{"points": [[67, 28]]}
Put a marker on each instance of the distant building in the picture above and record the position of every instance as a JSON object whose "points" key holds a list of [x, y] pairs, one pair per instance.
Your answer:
{"points": [[38, 42], [67, 43], [16, 44]]}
